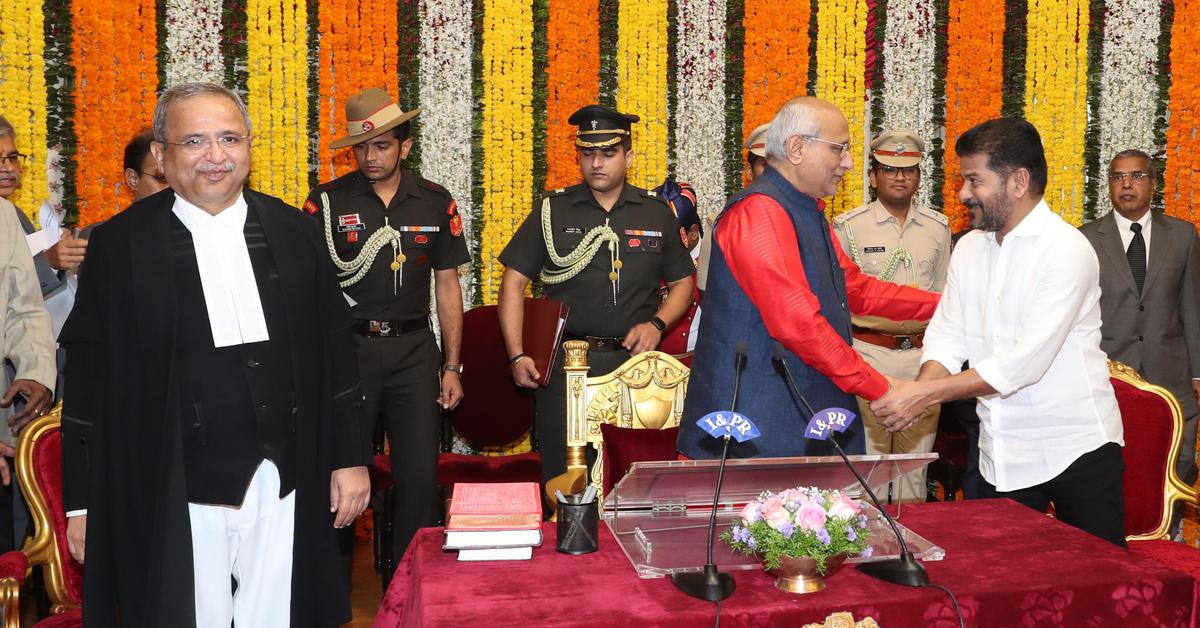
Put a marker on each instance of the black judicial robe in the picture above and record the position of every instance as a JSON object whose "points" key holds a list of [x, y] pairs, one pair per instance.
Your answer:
{"points": [[122, 445]]}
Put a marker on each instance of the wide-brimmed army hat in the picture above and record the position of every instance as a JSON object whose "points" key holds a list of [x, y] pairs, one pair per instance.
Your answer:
{"points": [[369, 114]]}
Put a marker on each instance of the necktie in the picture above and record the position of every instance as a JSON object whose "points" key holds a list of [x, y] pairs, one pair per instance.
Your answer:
{"points": [[1136, 254]]}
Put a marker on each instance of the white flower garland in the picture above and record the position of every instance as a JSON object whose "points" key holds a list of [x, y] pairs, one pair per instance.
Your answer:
{"points": [[700, 102], [1128, 92], [908, 58], [193, 42], [445, 85]]}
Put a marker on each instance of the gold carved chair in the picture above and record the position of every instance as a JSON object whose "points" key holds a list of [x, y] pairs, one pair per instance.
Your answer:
{"points": [[1153, 424], [645, 393]]}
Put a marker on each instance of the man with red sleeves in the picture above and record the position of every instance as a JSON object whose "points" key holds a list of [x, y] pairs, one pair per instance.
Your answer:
{"points": [[778, 276]]}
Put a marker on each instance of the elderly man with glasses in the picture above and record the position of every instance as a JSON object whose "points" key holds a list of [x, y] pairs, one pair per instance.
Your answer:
{"points": [[779, 283], [895, 240], [211, 430]]}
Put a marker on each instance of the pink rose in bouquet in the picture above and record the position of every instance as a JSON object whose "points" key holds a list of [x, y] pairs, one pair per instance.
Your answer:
{"points": [[775, 514], [843, 506], [751, 513], [810, 517]]}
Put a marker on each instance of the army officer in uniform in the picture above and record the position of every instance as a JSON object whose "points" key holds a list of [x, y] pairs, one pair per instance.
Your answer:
{"points": [[387, 231], [895, 240], [610, 245]]}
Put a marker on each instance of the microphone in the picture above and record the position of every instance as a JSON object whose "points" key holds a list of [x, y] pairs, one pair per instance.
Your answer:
{"points": [[710, 584], [905, 570]]}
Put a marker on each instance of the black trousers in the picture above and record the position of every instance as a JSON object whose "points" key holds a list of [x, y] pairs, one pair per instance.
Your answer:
{"points": [[550, 409], [1088, 494], [401, 383]]}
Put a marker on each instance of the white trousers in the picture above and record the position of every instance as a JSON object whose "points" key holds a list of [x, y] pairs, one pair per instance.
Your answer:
{"points": [[253, 544]]}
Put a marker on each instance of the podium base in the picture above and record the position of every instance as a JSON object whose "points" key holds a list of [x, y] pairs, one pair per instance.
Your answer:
{"points": [[906, 571], [705, 585]]}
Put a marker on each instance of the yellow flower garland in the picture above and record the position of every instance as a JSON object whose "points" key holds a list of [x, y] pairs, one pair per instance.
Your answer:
{"points": [[642, 85], [1056, 96], [841, 55], [277, 85], [507, 141], [23, 94]]}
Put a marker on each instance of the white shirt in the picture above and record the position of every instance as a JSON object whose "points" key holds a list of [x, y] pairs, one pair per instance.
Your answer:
{"points": [[1123, 225], [230, 290], [1026, 314]]}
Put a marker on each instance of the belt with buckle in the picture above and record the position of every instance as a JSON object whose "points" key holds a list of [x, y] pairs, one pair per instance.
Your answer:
{"points": [[390, 329], [889, 341], [601, 343]]}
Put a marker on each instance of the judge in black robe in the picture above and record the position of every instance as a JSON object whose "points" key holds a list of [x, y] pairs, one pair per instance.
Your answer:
{"points": [[122, 444]]}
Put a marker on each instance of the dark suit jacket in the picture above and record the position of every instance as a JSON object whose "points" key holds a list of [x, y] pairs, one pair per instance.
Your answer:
{"points": [[1157, 333], [122, 447]]}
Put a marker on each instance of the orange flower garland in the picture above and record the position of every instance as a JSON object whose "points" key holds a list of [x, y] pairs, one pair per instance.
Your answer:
{"points": [[114, 97], [974, 77], [358, 50], [572, 81], [1180, 193], [776, 58]]}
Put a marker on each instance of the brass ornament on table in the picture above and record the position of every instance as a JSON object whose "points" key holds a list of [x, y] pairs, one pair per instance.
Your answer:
{"points": [[801, 574]]}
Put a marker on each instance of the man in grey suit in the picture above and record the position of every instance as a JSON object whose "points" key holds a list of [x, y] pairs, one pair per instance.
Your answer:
{"points": [[1150, 290]]}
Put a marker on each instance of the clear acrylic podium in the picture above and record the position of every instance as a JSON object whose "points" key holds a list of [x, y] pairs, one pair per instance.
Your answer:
{"points": [[659, 511]]}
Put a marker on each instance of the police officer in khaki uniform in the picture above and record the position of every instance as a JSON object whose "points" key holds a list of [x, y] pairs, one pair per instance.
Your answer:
{"points": [[388, 231], [611, 245], [894, 240]]}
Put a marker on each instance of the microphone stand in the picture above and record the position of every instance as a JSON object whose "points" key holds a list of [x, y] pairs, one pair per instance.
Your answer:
{"points": [[905, 570], [710, 584]]}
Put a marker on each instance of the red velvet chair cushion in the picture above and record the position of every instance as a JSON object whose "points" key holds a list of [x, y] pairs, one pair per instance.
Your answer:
{"points": [[453, 468], [69, 619], [381, 473], [47, 471], [624, 446], [1148, 423], [13, 565], [495, 411]]}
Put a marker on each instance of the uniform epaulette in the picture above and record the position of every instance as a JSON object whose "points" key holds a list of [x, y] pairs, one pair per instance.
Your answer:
{"points": [[553, 193], [652, 195], [430, 185], [842, 218], [934, 214]]}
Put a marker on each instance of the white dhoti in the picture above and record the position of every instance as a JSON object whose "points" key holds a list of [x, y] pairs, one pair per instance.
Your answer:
{"points": [[251, 543]]}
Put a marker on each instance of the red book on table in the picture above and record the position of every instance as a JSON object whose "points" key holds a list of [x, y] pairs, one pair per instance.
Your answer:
{"points": [[501, 506], [542, 332]]}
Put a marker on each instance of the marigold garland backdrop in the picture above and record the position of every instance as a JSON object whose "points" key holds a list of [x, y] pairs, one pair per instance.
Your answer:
{"points": [[497, 78]]}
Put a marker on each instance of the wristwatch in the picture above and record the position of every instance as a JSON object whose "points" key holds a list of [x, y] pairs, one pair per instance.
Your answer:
{"points": [[658, 324], [457, 368]]}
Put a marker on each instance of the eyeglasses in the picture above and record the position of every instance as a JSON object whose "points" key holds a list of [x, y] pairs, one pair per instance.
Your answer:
{"points": [[200, 144], [843, 147], [905, 172], [1120, 177], [14, 158], [157, 177]]}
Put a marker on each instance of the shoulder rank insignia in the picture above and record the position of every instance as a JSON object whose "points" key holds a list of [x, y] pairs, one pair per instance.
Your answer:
{"points": [[311, 207]]}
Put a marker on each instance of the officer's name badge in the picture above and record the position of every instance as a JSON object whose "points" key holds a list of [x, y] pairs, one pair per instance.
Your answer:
{"points": [[358, 226], [574, 230], [415, 229], [874, 249], [639, 232]]}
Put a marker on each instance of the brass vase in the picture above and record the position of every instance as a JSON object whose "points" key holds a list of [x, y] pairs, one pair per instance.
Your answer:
{"points": [[800, 574]]}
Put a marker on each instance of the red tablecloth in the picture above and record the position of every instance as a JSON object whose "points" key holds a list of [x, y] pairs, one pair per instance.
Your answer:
{"points": [[1008, 565]]}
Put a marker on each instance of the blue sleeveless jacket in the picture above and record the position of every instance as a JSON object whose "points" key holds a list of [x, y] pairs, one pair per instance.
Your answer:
{"points": [[730, 316]]}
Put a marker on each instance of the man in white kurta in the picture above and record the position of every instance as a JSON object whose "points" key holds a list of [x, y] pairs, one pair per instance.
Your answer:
{"points": [[1022, 304]]}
